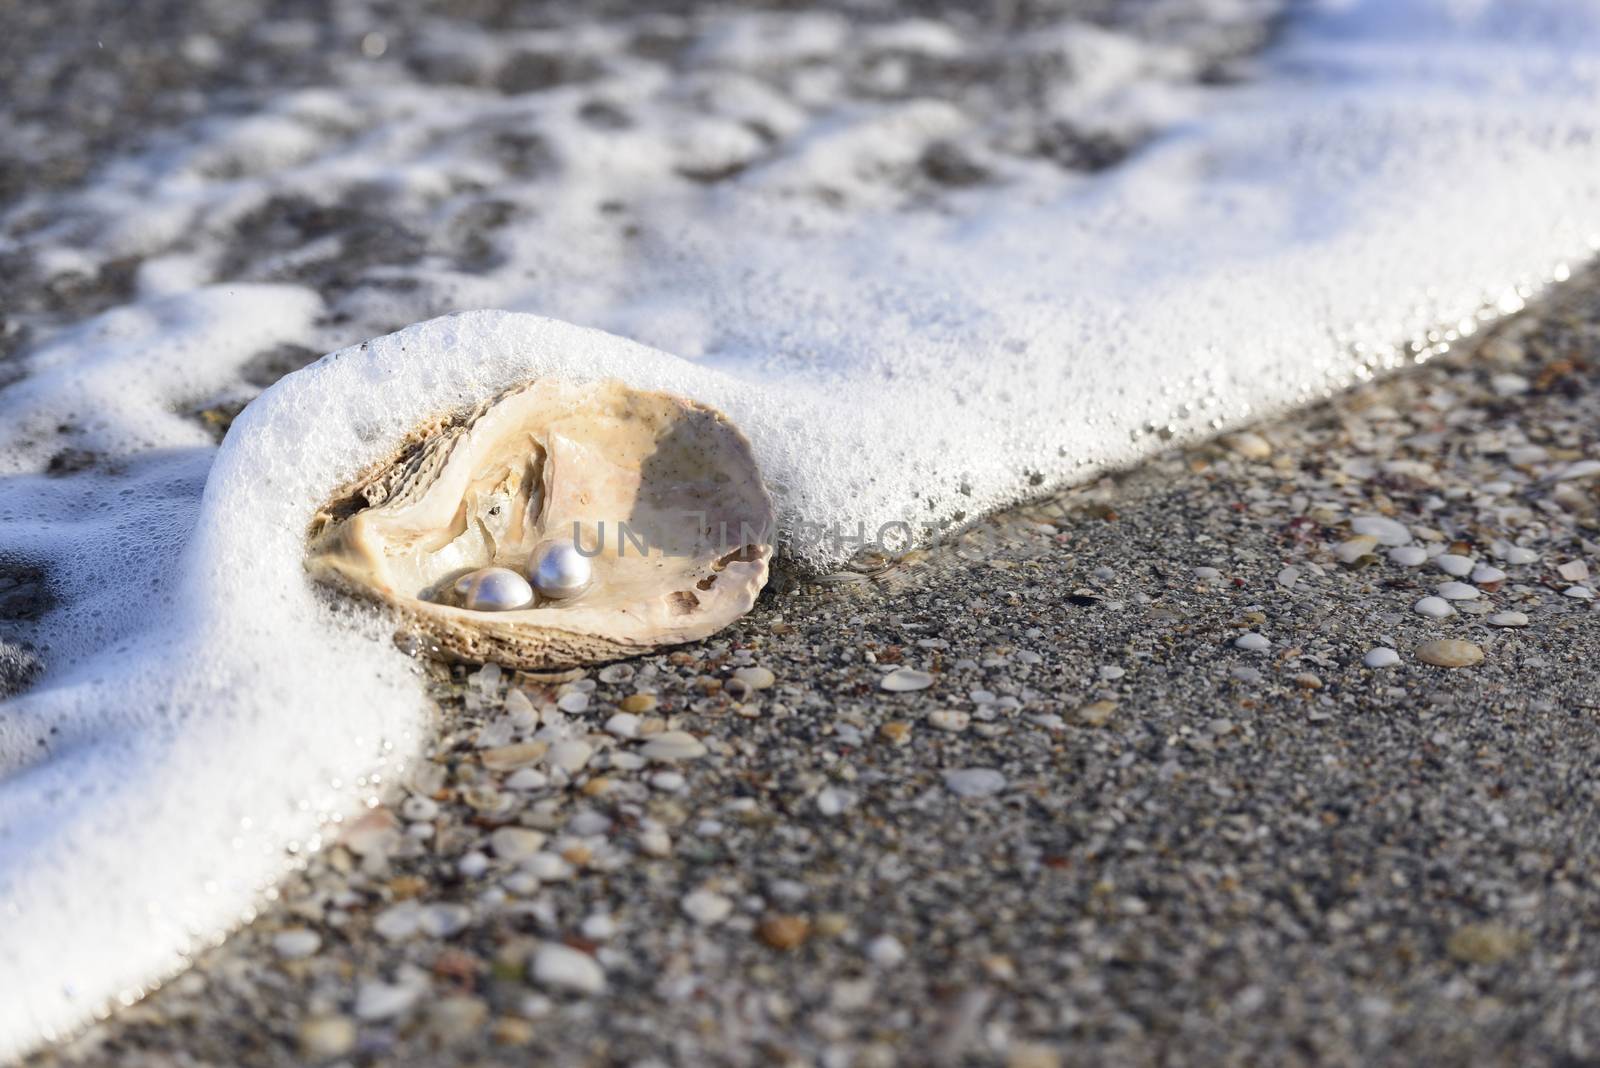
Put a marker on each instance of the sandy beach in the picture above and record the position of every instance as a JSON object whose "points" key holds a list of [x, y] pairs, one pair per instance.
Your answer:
{"points": [[1103, 831], [1274, 749]]}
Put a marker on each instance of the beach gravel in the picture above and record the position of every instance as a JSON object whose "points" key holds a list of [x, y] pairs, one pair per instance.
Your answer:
{"points": [[1165, 770], [1366, 839]]}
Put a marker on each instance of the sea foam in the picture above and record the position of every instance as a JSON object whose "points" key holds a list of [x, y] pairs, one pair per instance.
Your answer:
{"points": [[1396, 175]]}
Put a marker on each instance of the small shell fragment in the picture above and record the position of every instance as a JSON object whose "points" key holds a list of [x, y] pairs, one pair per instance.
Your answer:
{"points": [[756, 678], [1435, 607], [671, 746], [511, 757], [1385, 530], [1573, 570], [906, 680], [1249, 445], [1348, 552], [1449, 653]]}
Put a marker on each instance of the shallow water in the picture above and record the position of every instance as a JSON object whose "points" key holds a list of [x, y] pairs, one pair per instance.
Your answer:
{"points": [[928, 267]]}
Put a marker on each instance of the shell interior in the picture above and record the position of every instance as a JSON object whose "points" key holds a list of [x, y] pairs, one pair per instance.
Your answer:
{"points": [[661, 493]]}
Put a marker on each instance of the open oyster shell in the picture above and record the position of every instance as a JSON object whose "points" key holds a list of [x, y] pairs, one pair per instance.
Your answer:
{"points": [[665, 489]]}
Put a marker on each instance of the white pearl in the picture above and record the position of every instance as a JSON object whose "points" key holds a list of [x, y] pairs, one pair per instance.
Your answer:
{"points": [[493, 589], [559, 570]]}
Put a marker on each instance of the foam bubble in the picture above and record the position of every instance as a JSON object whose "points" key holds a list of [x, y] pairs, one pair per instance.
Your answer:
{"points": [[899, 347]]}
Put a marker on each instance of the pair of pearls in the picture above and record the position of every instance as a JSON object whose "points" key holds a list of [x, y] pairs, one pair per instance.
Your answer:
{"points": [[557, 569]]}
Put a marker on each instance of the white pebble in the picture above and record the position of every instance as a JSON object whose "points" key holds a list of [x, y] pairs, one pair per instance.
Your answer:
{"points": [[1381, 657], [905, 680], [757, 678], [1508, 384], [886, 951], [1408, 556], [1508, 619], [1485, 573], [1458, 591], [1348, 552], [1452, 564], [1387, 531], [528, 779], [1519, 555], [571, 756], [1436, 607], [832, 802], [1522, 455], [706, 907], [576, 701], [588, 823], [1252, 642], [673, 745], [1207, 574], [520, 709], [668, 782], [398, 922], [516, 843], [623, 725], [1582, 593], [1249, 445], [598, 927], [296, 943], [521, 883], [560, 967], [443, 921], [548, 867], [948, 719], [496, 734], [419, 809], [974, 782], [379, 1001], [1574, 571]]}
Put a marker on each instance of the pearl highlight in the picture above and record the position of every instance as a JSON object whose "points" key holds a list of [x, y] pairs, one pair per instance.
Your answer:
{"points": [[559, 570], [493, 589]]}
